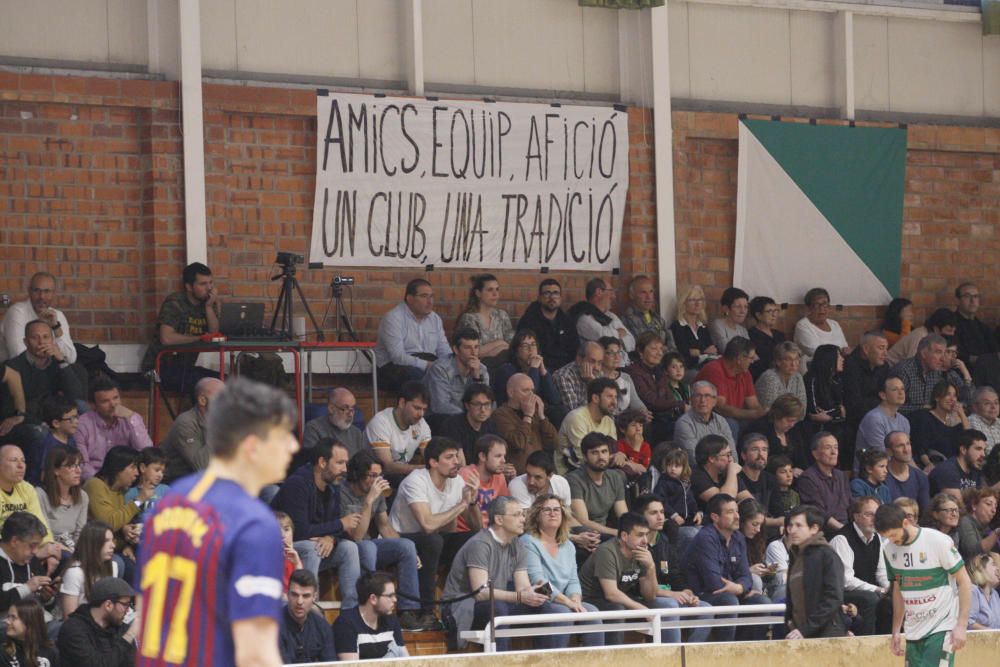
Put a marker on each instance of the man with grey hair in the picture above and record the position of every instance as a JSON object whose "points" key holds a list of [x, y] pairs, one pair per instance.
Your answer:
{"points": [[701, 419], [985, 409], [496, 554], [865, 371], [337, 424], [572, 379], [823, 485], [641, 315], [594, 318], [884, 418], [185, 446], [921, 372]]}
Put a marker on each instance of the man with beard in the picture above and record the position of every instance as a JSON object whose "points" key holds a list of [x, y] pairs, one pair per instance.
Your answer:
{"points": [[572, 379], [593, 417], [311, 497], [448, 379], [364, 493], [184, 317], [596, 491], [489, 469], [467, 427], [427, 506], [554, 331], [758, 481], [96, 633], [905, 480], [305, 634], [337, 424], [397, 434], [964, 470], [815, 579]]}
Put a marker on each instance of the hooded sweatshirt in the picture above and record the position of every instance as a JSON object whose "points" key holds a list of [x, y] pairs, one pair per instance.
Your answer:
{"points": [[13, 580]]}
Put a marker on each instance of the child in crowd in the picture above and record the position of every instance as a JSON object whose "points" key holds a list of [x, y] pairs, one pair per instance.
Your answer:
{"points": [[875, 469], [634, 453], [786, 498], [61, 416], [679, 504], [152, 464], [292, 560], [674, 365]]}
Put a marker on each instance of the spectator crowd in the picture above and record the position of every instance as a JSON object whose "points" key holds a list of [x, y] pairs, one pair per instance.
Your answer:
{"points": [[577, 459]]}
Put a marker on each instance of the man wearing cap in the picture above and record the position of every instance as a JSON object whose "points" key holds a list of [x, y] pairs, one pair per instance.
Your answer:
{"points": [[95, 634]]}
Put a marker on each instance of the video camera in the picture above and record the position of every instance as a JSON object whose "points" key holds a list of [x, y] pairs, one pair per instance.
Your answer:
{"points": [[289, 259], [343, 280]]}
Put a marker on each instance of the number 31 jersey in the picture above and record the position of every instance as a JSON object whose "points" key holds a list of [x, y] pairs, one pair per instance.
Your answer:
{"points": [[211, 555], [924, 571]]}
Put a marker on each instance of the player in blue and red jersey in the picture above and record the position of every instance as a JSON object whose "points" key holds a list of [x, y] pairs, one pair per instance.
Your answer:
{"points": [[211, 561]]}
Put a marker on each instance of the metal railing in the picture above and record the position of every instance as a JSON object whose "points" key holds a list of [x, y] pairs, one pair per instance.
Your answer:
{"points": [[651, 622]]}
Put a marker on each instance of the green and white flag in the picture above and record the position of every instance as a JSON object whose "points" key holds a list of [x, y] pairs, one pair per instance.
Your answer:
{"points": [[819, 206]]}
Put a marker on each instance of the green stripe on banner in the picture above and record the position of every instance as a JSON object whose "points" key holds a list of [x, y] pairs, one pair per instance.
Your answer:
{"points": [[623, 4], [855, 176]]}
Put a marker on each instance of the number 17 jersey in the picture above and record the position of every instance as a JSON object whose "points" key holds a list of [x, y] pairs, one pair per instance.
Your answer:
{"points": [[211, 555]]}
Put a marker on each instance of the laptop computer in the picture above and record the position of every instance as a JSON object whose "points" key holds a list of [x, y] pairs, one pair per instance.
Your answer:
{"points": [[242, 320]]}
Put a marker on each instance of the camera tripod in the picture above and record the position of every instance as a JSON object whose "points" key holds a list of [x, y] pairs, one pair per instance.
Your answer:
{"points": [[283, 309]]}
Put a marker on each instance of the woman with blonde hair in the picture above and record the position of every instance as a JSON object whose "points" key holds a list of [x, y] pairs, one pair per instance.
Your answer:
{"points": [[689, 329], [984, 614], [552, 558]]}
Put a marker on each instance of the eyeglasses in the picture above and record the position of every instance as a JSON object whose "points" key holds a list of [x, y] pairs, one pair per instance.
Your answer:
{"points": [[373, 475], [480, 404], [949, 510], [345, 408], [391, 596], [124, 603], [550, 293], [771, 311], [72, 466]]}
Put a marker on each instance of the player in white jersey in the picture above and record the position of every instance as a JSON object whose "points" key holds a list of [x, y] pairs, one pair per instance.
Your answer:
{"points": [[931, 590]]}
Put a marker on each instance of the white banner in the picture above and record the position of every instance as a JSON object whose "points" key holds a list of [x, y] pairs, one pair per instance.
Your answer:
{"points": [[403, 182]]}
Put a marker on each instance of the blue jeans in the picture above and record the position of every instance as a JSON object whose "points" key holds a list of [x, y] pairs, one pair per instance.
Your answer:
{"points": [[586, 638], [344, 558], [728, 633], [401, 552]]}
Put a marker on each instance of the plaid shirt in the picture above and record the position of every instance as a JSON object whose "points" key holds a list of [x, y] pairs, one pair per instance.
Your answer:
{"points": [[919, 384], [572, 387], [635, 322]]}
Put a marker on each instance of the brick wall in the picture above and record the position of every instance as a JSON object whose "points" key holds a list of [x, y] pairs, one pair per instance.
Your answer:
{"points": [[91, 188]]}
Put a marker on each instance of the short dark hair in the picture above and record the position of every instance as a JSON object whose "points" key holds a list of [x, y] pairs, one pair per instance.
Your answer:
{"points": [[749, 438], [969, 436], [414, 285], [193, 270], [815, 293], [117, 459], [549, 281], [151, 455], [647, 338], [889, 517], [709, 446], [859, 503], [372, 583], [715, 503], [629, 520], [412, 390], [593, 440], [323, 449], [484, 444], [437, 446], [643, 500], [627, 418], [475, 389], [941, 318], [102, 383], [812, 515], [23, 526], [464, 333], [779, 461], [870, 457], [731, 294], [759, 303], [737, 347], [304, 578], [593, 285], [27, 327], [244, 408], [54, 407], [818, 438], [608, 341], [540, 459], [597, 386]]}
